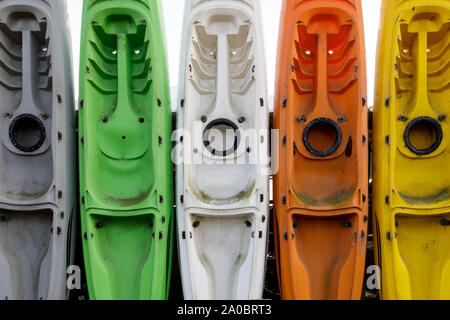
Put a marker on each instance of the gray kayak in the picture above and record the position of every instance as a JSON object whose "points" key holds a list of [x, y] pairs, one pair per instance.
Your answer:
{"points": [[37, 153]]}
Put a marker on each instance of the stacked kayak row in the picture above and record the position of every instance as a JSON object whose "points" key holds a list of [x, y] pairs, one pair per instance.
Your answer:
{"points": [[319, 151]]}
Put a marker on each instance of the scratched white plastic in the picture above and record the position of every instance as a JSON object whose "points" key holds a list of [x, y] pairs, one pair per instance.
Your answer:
{"points": [[222, 209], [37, 185]]}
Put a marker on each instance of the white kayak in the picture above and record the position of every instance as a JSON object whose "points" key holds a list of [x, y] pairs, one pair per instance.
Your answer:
{"points": [[37, 153], [222, 152]]}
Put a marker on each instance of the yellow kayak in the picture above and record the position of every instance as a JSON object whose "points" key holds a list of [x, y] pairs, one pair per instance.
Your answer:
{"points": [[411, 150]]}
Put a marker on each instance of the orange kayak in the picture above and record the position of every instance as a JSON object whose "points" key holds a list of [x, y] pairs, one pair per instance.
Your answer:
{"points": [[321, 188]]}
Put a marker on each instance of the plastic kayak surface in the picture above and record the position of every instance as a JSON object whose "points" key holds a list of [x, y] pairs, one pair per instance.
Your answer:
{"points": [[321, 189], [37, 166], [124, 142], [222, 179], [411, 150]]}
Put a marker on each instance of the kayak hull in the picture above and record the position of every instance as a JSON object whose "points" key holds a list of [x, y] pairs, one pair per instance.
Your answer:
{"points": [[321, 189], [222, 195], [411, 151], [125, 167], [38, 186]]}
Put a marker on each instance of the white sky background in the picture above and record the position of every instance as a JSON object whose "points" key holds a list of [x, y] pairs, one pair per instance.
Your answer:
{"points": [[173, 13]]}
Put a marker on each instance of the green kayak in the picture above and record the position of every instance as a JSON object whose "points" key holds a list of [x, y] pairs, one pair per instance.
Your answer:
{"points": [[125, 145]]}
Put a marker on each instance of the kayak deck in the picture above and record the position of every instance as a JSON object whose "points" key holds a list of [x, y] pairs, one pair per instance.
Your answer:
{"points": [[411, 190], [37, 193], [321, 190], [125, 167], [222, 201]]}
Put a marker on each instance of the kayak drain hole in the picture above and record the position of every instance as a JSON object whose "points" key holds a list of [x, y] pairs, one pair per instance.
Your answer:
{"points": [[423, 135], [322, 137], [27, 133], [221, 137]]}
